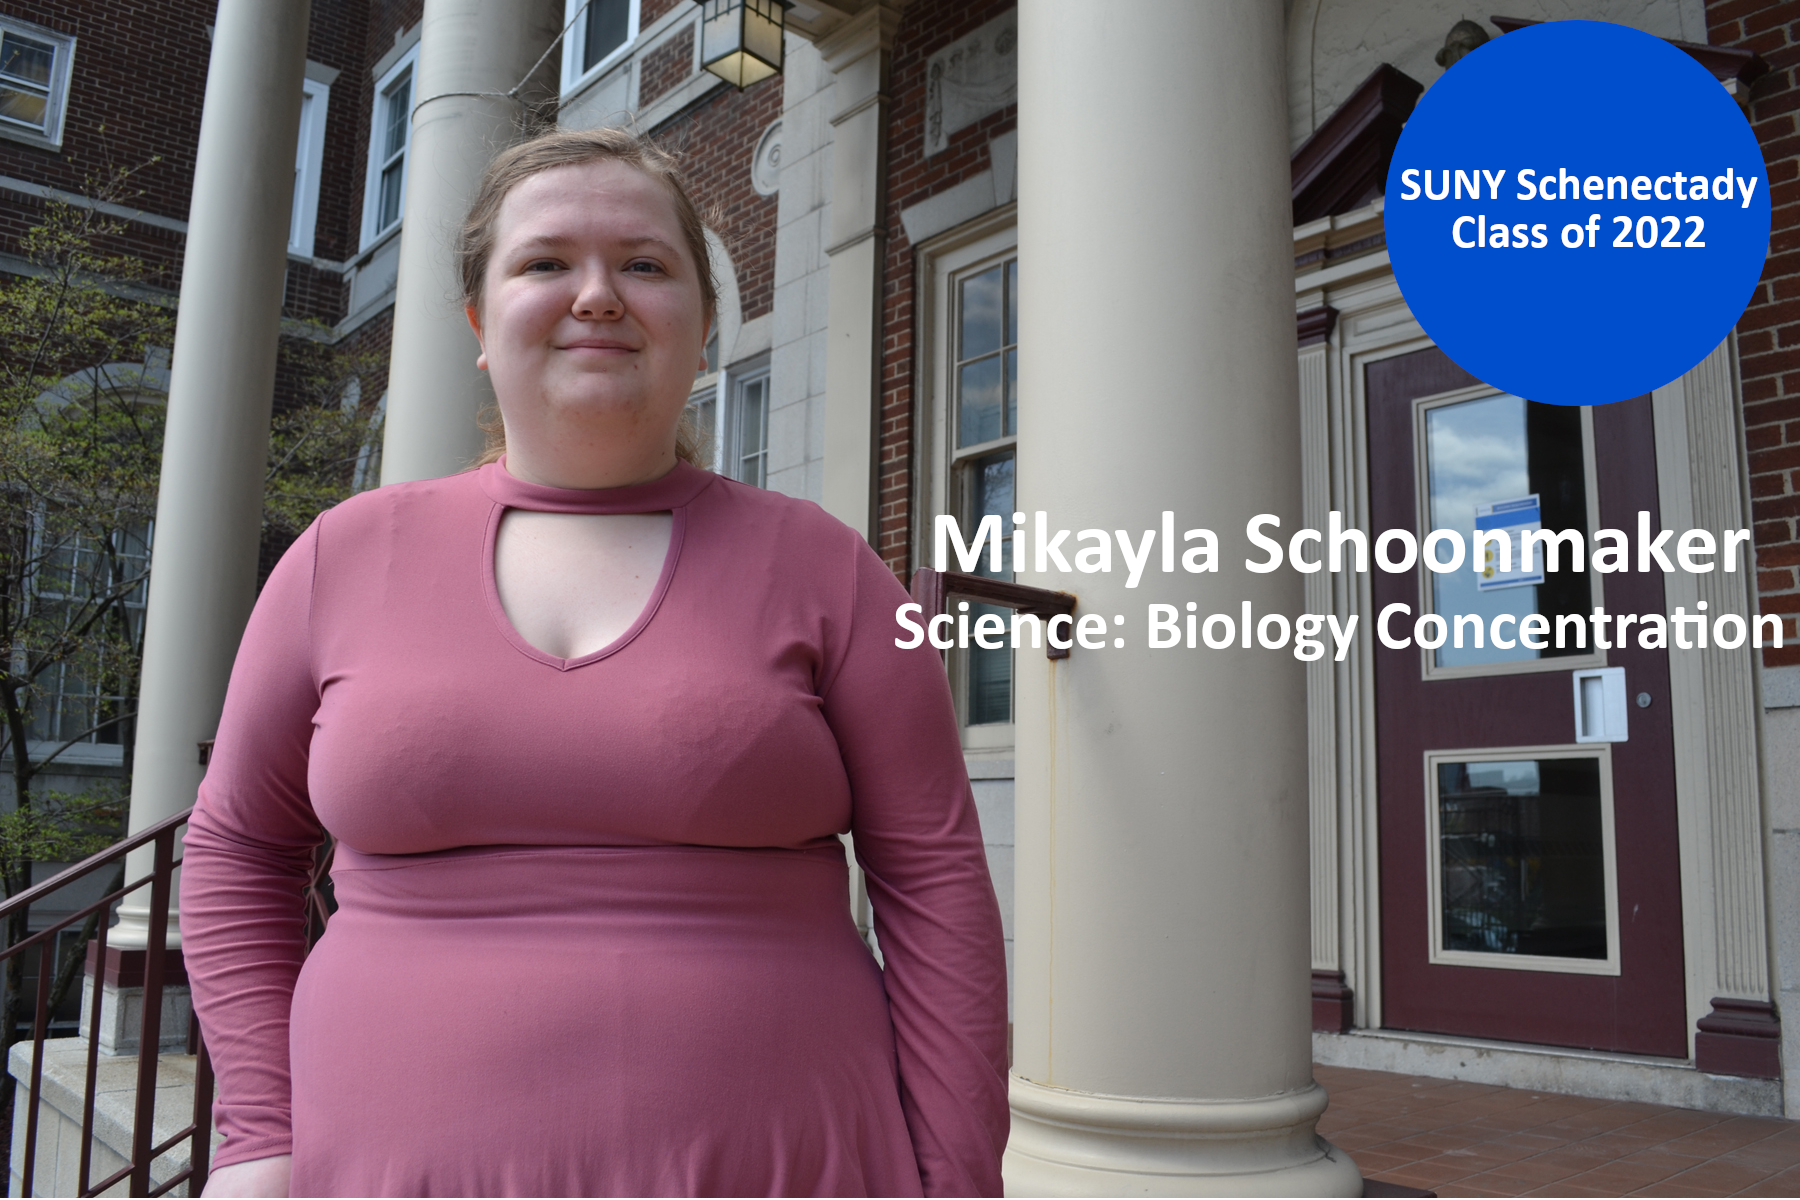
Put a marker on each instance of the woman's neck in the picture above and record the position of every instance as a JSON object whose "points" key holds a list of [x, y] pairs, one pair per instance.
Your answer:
{"points": [[587, 468]]}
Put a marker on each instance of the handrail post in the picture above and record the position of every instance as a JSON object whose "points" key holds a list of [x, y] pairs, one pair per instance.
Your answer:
{"points": [[39, 1027], [143, 1129], [95, 1003]]}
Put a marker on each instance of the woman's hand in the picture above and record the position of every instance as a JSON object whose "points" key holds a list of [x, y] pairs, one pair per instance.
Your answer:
{"points": [[257, 1177]]}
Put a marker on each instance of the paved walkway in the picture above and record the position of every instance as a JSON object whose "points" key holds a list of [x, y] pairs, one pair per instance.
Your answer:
{"points": [[1472, 1139]]}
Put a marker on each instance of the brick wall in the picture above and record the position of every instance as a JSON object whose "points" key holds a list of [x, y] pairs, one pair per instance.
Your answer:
{"points": [[136, 91], [1769, 334], [650, 10], [339, 32], [666, 66], [927, 27], [716, 139], [386, 20]]}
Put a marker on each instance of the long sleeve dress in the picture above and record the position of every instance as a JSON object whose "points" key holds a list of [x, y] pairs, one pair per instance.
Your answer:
{"points": [[593, 932]]}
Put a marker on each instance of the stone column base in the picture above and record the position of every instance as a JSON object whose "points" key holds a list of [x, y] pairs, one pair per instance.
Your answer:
{"points": [[1068, 1143], [122, 1000]]}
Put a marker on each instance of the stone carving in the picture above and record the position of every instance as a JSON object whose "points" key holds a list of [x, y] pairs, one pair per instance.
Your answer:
{"points": [[765, 165], [970, 78]]}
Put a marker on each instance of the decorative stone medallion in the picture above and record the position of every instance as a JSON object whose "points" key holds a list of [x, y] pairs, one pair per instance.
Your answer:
{"points": [[765, 165]]}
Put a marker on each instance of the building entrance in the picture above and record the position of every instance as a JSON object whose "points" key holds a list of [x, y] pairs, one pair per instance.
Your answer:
{"points": [[1530, 886]]}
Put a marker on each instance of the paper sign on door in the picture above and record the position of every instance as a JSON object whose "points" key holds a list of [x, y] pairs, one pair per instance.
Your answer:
{"points": [[1514, 518]]}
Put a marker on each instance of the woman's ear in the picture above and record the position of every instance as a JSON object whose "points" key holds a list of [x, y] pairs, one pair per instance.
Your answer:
{"points": [[474, 316]]}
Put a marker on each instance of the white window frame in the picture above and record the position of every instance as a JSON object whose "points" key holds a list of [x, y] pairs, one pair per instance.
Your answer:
{"points": [[49, 136], [371, 233], [1434, 884], [731, 443], [309, 165], [575, 17], [943, 261]]}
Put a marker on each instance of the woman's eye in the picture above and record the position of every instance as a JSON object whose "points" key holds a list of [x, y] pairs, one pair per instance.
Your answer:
{"points": [[541, 265], [645, 268]]}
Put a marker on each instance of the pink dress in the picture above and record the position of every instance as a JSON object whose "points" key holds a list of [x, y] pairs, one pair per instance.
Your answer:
{"points": [[593, 934]]}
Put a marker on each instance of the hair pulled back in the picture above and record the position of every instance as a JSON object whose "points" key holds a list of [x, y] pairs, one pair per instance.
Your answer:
{"points": [[572, 148]]}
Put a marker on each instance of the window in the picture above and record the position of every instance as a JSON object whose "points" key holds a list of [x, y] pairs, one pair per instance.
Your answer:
{"points": [[1502, 464], [985, 393], [749, 462], [600, 32], [34, 83], [82, 698], [972, 372], [731, 414], [309, 159], [1522, 865], [384, 196]]}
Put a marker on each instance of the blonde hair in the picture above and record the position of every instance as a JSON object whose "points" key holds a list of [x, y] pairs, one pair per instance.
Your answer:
{"points": [[569, 148]]}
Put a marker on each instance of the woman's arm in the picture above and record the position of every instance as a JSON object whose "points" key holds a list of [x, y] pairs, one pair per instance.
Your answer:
{"points": [[245, 862], [919, 843]]}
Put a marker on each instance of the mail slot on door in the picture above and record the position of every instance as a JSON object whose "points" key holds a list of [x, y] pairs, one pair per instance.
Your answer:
{"points": [[1600, 709]]}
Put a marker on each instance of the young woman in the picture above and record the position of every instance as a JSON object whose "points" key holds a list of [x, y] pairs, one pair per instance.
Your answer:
{"points": [[586, 723]]}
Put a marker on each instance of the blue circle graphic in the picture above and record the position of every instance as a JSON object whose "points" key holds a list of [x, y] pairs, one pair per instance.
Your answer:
{"points": [[1577, 213]]}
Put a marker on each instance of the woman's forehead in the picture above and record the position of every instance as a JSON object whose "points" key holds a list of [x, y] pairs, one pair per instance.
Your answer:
{"points": [[607, 200]]}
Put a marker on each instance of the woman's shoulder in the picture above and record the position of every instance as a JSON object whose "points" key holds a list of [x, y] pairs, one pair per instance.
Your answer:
{"points": [[400, 521], [802, 527], [420, 500]]}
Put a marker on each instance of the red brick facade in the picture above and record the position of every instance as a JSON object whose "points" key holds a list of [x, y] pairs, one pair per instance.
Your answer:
{"points": [[650, 10], [666, 66], [716, 139], [929, 25], [1769, 334]]}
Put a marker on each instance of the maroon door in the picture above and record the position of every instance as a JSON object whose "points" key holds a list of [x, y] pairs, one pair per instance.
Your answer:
{"points": [[1530, 885]]}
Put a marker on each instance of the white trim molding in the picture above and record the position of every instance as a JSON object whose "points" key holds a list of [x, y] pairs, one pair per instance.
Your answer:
{"points": [[1701, 484], [309, 164]]}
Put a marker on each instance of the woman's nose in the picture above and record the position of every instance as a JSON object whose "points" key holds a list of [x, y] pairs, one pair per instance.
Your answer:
{"points": [[597, 299]]}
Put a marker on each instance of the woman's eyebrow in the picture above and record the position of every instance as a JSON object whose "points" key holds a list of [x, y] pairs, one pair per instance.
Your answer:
{"points": [[649, 240], [558, 241]]}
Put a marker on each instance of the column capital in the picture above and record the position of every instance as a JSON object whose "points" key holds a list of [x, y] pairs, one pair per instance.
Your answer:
{"points": [[867, 32]]}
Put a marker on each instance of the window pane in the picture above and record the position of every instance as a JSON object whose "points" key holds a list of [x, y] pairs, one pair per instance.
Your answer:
{"points": [[1523, 857], [978, 391], [1489, 452], [607, 25], [980, 309], [29, 108], [1012, 303], [25, 59], [1012, 391], [388, 211], [990, 490], [701, 413], [753, 432], [399, 113]]}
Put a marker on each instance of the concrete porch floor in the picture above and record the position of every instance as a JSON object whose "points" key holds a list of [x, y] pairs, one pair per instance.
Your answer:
{"points": [[1473, 1139]]}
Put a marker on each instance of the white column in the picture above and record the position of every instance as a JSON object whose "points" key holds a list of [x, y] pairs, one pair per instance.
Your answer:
{"points": [[1162, 1042], [434, 390], [857, 54], [216, 442]]}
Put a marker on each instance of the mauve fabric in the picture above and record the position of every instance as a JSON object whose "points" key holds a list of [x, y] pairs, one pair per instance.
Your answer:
{"points": [[593, 934]]}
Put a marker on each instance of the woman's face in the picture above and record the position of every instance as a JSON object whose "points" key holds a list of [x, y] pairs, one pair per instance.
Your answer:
{"points": [[591, 325]]}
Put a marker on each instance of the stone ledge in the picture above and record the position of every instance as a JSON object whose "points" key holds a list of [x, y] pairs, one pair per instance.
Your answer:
{"points": [[115, 1097], [1672, 1082]]}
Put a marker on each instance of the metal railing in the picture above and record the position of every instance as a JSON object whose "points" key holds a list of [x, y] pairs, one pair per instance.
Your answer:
{"points": [[933, 591], [144, 1149]]}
